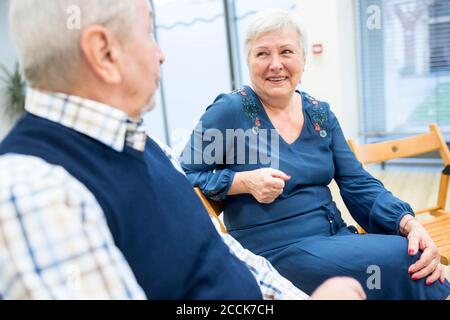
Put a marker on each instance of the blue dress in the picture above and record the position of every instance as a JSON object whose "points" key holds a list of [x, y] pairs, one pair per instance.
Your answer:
{"points": [[302, 232]]}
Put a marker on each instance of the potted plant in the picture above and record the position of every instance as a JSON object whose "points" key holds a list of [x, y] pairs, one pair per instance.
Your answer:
{"points": [[12, 86]]}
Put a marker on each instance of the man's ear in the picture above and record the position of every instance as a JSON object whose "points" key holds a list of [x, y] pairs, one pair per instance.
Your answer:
{"points": [[101, 51]]}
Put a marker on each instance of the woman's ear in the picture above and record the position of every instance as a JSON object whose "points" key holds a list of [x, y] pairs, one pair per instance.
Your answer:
{"points": [[102, 53]]}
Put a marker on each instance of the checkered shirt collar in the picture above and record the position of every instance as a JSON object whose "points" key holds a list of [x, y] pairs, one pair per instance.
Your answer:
{"points": [[99, 121]]}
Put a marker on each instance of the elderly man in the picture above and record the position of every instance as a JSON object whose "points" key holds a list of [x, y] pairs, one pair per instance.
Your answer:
{"points": [[89, 206]]}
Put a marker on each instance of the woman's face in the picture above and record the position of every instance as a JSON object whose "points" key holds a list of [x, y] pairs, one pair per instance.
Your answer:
{"points": [[276, 63]]}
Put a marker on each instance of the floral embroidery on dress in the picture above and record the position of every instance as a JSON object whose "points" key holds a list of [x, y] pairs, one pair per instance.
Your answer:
{"points": [[250, 109], [319, 116]]}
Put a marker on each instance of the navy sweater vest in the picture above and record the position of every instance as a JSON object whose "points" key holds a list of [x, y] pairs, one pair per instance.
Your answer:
{"points": [[155, 217]]}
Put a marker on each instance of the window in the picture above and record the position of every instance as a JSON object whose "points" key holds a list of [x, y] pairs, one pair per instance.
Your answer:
{"points": [[191, 33], [202, 42], [405, 67], [439, 33]]}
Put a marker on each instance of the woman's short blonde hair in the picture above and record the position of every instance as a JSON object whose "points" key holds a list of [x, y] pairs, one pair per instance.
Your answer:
{"points": [[274, 19]]}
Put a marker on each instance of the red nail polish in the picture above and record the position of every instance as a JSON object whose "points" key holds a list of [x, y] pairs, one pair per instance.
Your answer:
{"points": [[410, 272], [414, 278], [411, 252]]}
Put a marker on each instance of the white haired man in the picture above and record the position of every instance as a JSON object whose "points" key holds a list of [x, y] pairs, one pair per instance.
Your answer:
{"points": [[90, 208]]}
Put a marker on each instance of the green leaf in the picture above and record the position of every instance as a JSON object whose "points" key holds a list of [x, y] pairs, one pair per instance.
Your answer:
{"points": [[14, 90]]}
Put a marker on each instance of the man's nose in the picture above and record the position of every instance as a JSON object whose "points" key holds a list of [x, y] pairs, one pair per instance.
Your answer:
{"points": [[162, 57]]}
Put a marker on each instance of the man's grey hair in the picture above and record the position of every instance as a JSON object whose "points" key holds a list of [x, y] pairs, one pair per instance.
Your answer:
{"points": [[271, 20], [49, 46]]}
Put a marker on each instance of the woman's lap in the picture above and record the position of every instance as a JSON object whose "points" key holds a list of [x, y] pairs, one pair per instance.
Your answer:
{"points": [[379, 262]]}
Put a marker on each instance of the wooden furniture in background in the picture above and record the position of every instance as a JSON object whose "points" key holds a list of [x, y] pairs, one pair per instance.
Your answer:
{"points": [[438, 225], [214, 208]]}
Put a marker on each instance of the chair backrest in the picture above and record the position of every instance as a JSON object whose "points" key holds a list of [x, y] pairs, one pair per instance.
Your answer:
{"points": [[214, 208], [407, 147], [401, 148]]}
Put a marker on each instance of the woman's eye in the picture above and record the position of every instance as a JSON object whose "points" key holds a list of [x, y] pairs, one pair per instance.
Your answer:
{"points": [[287, 51], [261, 54]]}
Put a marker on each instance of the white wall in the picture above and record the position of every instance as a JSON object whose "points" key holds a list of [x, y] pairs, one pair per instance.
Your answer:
{"points": [[7, 53], [333, 76], [7, 58]]}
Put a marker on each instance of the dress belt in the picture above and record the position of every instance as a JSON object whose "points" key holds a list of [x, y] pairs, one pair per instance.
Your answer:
{"points": [[335, 224]]}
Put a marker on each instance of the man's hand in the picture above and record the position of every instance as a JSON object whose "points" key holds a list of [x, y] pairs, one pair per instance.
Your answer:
{"points": [[340, 288]]}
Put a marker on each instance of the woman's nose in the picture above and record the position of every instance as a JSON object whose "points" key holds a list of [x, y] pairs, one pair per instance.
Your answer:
{"points": [[276, 64]]}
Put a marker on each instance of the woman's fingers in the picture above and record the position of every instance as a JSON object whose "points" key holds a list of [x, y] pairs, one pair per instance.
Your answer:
{"points": [[277, 191], [268, 184], [413, 244], [270, 197], [424, 260], [269, 194], [436, 275], [426, 271], [277, 184], [425, 265], [442, 277], [278, 174], [428, 265], [273, 185]]}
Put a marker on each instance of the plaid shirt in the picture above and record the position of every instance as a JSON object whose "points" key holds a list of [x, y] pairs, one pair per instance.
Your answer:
{"points": [[54, 239]]}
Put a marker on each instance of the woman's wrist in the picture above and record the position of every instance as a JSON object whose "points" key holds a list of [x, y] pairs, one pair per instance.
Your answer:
{"points": [[239, 185], [407, 223]]}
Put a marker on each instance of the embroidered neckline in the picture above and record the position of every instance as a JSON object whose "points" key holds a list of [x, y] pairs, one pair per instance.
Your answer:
{"points": [[318, 112], [319, 116], [251, 109]]}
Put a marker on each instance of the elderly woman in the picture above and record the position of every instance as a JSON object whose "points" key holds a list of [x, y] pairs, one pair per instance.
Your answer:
{"points": [[273, 180]]}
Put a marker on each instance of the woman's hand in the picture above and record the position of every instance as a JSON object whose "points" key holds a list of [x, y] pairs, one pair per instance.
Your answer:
{"points": [[429, 263], [265, 184]]}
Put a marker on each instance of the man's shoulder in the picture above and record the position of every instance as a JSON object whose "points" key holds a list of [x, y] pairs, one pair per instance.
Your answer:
{"points": [[17, 168], [25, 178], [170, 154]]}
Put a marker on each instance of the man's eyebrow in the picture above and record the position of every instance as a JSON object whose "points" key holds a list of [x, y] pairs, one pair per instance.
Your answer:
{"points": [[152, 20], [152, 16]]}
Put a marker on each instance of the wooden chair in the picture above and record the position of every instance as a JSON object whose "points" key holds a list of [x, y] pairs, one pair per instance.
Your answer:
{"points": [[438, 226], [214, 208]]}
